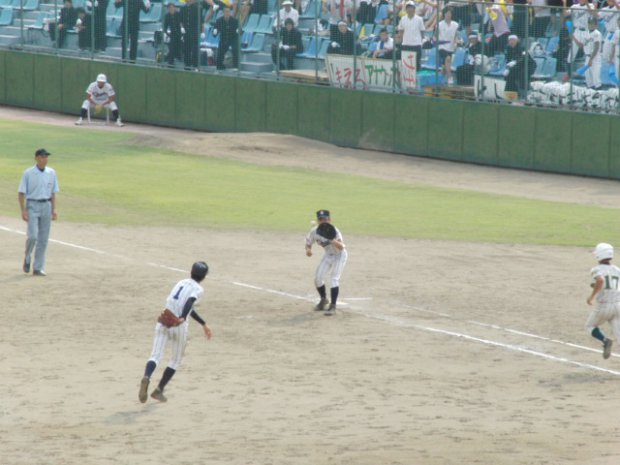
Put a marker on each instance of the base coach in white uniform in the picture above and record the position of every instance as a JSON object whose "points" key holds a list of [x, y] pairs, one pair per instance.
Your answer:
{"points": [[37, 200]]}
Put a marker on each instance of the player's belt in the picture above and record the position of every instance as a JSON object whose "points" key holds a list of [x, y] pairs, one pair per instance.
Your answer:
{"points": [[39, 200], [581, 28]]}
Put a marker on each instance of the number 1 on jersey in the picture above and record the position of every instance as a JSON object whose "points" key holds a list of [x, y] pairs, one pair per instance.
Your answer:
{"points": [[176, 296], [608, 284]]}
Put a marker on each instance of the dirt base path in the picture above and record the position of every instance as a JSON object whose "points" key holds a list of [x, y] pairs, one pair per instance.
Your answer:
{"points": [[441, 353]]}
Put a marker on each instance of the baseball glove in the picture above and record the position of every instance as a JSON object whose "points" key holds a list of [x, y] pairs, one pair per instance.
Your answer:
{"points": [[327, 231], [98, 109], [169, 319]]}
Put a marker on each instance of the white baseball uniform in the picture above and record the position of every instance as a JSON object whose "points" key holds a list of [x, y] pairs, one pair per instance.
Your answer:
{"points": [[333, 260], [607, 300], [100, 96], [609, 15], [181, 292], [593, 74], [616, 41], [579, 15]]}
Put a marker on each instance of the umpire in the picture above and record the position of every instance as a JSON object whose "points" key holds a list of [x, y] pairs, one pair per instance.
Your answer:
{"points": [[37, 200]]}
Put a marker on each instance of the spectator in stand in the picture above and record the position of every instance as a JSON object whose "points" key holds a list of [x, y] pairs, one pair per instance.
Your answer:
{"points": [[465, 72], [519, 66], [542, 17], [448, 41], [191, 23], [519, 17], [462, 11], [366, 12], [498, 16], [427, 9], [345, 41], [172, 29], [66, 21], [412, 29], [338, 10], [385, 46], [613, 58], [100, 23], [130, 26], [609, 15], [579, 13], [592, 50], [83, 26], [287, 12], [290, 45], [227, 27], [564, 46]]}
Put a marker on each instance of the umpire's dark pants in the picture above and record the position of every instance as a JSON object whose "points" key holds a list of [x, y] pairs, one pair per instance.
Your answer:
{"points": [[223, 47]]}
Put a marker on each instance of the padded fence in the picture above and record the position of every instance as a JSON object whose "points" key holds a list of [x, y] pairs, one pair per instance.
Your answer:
{"points": [[496, 135]]}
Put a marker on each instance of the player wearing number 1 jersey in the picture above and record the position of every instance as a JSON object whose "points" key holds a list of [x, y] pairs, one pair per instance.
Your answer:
{"points": [[606, 278], [180, 302]]}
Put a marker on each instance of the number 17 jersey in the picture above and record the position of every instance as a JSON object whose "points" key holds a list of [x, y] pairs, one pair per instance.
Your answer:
{"points": [[611, 277]]}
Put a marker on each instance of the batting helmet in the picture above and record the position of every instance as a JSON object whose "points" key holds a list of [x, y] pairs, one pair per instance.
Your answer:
{"points": [[603, 251], [199, 271]]}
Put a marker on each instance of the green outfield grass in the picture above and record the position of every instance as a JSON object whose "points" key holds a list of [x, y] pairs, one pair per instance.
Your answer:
{"points": [[105, 178]]}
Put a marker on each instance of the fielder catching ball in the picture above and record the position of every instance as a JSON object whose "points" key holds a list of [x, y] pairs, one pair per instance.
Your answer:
{"points": [[333, 261]]}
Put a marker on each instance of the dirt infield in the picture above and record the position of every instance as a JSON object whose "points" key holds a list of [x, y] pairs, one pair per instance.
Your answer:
{"points": [[442, 353]]}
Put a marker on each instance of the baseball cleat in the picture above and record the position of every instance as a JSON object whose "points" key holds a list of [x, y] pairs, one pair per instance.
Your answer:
{"points": [[79, 122], [321, 305], [330, 310], [144, 386], [26, 267], [39, 273], [607, 348], [119, 123], [158, 395]]}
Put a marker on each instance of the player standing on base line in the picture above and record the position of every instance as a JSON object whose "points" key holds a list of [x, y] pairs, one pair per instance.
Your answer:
{"points": [[605, 278], [334, 260], [180, 303]]}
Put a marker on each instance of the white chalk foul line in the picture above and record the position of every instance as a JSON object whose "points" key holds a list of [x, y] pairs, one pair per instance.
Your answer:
{"points": [[508, 330], [382, 317]]}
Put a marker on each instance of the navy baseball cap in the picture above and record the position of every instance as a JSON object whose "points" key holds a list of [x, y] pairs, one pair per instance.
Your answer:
{"points": [[41, 153], [322, 214]]}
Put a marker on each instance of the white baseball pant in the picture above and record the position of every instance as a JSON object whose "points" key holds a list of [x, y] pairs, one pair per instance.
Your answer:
{"points": [[581, 36], [330, 263], [605, 312], [88, 104], [593, 74], [178, 339]]}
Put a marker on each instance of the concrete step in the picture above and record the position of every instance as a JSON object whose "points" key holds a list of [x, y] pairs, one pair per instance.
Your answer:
{"points": [[8, 39], [259, 57], [254, 67]]}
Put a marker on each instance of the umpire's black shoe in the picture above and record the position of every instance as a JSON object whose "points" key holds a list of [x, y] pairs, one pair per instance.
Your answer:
{"points": [[26, 267], [607, 343], [321, 305]]}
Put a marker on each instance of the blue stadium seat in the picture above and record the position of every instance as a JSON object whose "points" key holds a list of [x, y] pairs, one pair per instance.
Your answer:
{"points": [[458, 59], [552, 45], [28, 5], [39, 21], [498, 65], [324, 45], [432, 60], [265, 24], [212, 41], [154, 14], [257, 45], [252, 23], [6, 17], [310, 50]]}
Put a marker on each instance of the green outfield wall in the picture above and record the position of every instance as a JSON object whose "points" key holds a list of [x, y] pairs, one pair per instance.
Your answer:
{"points": [[489, 134]]}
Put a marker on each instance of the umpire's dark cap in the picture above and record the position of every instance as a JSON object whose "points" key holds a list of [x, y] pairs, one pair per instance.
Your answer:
{"points": [[322, 214], [41, 153]]}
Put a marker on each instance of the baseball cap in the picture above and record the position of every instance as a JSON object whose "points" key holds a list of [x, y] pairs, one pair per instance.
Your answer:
{"points": [[41, 153], [322, 214], [287, 2], [410, 3], [512, 36], [102, 78]]}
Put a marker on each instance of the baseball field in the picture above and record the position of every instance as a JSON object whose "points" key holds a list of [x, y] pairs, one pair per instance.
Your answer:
{"points": [[459, 338]]}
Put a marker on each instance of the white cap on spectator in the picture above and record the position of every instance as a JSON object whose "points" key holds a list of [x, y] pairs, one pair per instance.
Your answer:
{"points": [[410, 3], [513, 36], [287, 2], [102, 78], [341, 23], [473, 35]]}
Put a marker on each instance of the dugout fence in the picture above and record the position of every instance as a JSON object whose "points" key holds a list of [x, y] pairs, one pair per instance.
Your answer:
{"points": [[548, 66]]}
